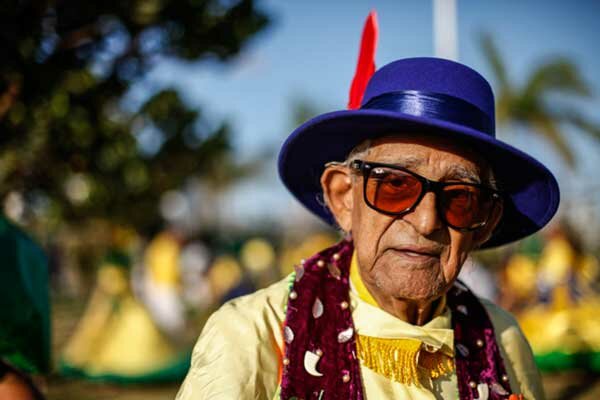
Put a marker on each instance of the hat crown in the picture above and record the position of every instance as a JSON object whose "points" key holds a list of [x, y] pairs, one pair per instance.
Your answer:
{"points": [[434, 75]]}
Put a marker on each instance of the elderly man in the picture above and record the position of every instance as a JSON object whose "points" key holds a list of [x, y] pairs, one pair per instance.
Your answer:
{"points": [[416, 180]]}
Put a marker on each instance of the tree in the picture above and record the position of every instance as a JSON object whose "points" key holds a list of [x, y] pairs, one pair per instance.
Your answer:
{"points": [[68, 147], [529, 105]]}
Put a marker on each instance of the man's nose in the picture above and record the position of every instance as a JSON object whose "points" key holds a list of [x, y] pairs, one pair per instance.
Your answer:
{"points": [[424, 218]]}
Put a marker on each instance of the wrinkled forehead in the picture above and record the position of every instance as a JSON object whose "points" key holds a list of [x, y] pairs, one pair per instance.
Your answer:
{"points": [[430, 152]]}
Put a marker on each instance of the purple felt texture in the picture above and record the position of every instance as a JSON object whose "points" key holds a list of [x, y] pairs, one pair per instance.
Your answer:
{"points": [[451, 78]]}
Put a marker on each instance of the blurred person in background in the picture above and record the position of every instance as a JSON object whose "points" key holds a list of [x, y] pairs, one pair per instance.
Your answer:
{"points": [[162, 282], [561, 322], [415, 179], [116, 338], [24, 315], [481, 281]]}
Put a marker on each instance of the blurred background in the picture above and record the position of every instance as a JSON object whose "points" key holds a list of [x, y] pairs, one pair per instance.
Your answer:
{"points": [[138, 149]]}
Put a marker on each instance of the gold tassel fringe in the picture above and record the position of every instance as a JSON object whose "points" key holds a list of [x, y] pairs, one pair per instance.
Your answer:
{"points": [[393, 358], [399, 359], [436, 364]]}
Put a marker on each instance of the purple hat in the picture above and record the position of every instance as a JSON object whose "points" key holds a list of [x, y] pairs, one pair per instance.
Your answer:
{"points": [[429, 96]]}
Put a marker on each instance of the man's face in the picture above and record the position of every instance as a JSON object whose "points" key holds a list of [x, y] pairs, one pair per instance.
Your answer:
{"points": [[414, 256]]}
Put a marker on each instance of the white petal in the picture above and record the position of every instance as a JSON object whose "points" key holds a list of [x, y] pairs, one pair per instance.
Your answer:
{"points": [[317, 309], [345, 335], [498, 389], [463, 350], [334, 271], [299, 272], [484, 391], [288, 334], [310, 363]]}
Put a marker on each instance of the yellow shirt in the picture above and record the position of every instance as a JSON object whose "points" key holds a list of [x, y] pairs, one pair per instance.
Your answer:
{"points": [[239, 352]]}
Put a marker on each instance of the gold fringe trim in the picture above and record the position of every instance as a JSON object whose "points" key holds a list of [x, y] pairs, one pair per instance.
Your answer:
{"points": [[401, 359], [437, 364], [393, 358]]}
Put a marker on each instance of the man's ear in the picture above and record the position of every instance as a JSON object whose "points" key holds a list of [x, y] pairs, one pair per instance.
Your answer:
{"points": [[483, 234], [336, 182]]}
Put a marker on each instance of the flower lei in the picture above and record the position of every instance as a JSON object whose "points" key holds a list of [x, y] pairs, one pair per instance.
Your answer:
{"points": [[321, 359]]}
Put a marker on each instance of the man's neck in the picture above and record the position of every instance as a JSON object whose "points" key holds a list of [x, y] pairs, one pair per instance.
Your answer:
{"points": [[413, 312]]}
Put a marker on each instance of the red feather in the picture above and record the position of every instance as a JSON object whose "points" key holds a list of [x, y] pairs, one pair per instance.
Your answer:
{"points": [[365, 67]]}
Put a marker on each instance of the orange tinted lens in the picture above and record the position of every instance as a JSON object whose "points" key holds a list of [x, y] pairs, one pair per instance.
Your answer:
{"points": [[466, 206], [391, 190]]}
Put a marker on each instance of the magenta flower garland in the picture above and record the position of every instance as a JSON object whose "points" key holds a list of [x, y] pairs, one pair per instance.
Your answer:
{"points": [[320, 347]]}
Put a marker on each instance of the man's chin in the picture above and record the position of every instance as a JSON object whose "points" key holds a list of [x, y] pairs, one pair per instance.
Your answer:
{"points": [[412, 289]]}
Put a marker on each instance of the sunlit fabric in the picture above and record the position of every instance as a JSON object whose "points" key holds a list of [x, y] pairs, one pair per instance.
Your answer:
{"points": [[238, 354]]}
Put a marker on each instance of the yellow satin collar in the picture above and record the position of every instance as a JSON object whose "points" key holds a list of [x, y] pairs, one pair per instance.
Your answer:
{"points": [[399, 359], [358, 283]]}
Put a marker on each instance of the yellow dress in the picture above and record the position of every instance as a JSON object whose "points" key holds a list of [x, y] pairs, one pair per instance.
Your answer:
{"points": [[239, 352], [116, 339], [565, 332]]}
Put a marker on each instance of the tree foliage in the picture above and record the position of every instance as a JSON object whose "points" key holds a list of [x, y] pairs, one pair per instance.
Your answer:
{"points": [[531, 104], [68, 146]]}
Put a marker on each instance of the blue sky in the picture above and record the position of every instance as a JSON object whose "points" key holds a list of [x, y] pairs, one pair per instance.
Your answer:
{"points": [[310, 51]]}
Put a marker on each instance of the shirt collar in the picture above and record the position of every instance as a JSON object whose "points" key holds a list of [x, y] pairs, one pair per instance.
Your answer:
{"points": [[371, 320]]}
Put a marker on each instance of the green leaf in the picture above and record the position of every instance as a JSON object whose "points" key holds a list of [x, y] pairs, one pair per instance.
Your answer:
{"points": [[558, 75], [494, 59]]}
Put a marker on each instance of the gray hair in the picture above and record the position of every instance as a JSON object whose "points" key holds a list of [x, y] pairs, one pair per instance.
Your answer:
{"points": [[360, 151]]}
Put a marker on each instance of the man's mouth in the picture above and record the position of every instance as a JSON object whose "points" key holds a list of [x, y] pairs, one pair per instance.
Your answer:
{"points": [[418, 254]]}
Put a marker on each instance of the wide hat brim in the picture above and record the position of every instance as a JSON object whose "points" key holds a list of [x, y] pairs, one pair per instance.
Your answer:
{"points": [[531, 191]]}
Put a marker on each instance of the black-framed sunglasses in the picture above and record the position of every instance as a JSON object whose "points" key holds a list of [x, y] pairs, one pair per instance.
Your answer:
{"points": [[394, 190]]}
